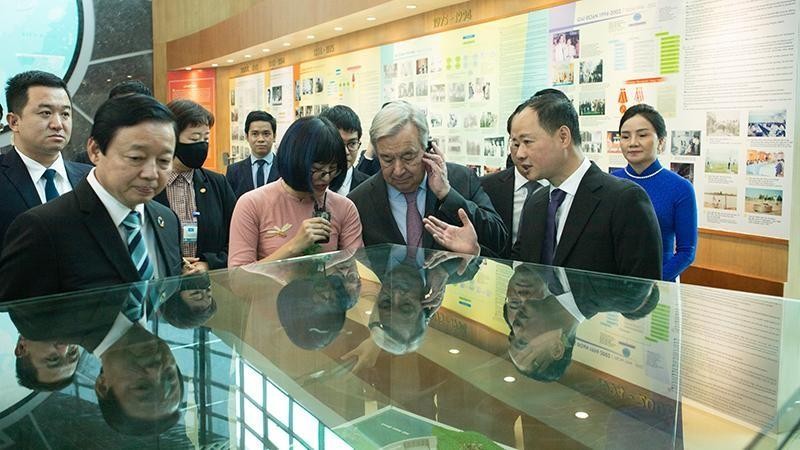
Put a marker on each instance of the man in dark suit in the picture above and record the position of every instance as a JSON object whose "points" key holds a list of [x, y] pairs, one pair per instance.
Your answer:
{"points": [[107, 231], [259, 168], [33, 170], [349, 125], [416, 183], [587, 219]]}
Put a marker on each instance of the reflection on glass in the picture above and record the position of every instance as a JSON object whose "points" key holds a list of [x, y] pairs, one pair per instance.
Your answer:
{"points": [[277, 435], [305, 425], [277, 404], [253, 417], [253, 385]]}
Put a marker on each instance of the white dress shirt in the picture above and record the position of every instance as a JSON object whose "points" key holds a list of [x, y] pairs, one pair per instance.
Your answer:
{"points": [[520, 195], [348, 180], [570, 186], [36, 172]]}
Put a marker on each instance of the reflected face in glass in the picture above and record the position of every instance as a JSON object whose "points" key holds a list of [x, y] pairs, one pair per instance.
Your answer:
{"points": [[399, 302], [348, 271], [401, 159], [525, 284], [44, 125], [638, 141], [197, 299], [260, 137], [141, 371], [351, 145], [53, 361]]}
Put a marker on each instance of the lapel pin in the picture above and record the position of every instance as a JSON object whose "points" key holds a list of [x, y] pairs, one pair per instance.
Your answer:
{"points": [[202, 190], [161, 221]]}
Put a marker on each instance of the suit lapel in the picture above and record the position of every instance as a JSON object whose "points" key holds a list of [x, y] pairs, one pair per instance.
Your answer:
{"points": [[73, 174], [273, 172], [431, 205], [17, 173], [105, 232], [168, 259], [384, 215], [201, 190], [506, 209], [583, 206], [246, 175]]}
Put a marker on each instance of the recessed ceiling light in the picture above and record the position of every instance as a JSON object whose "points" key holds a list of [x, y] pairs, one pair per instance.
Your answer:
{"points": [[411, 6], [265, 50], [188, 68], [310, 36], [129, 76], [338, 28], [214, 65], [286, 44], [509, 379], [248, 56], [454, 351], [371, 19], [108, 80], [229, 60], [582, 415]]}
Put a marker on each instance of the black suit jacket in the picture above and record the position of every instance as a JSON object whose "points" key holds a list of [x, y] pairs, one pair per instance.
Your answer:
{"points": [[240, 176], [17, 191], [215, 201], [71, 244], [358, 178], [372, 201], [611, 228], [499, 187], [5, 149]]}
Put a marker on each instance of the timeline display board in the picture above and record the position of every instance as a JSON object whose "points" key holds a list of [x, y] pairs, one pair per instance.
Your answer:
{"points": [[723, 76], [247, 93]]}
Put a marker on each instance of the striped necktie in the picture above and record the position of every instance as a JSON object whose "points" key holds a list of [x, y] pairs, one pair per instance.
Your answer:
{"points": [[134, 305]]}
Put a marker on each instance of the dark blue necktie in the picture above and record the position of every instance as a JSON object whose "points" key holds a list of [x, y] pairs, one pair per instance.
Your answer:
{"points": [[260, 172], [551, 227], [50, 191]]}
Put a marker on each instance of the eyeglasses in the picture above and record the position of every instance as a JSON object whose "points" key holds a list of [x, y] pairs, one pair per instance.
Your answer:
{"points": [[321, 173], [353, 145]]}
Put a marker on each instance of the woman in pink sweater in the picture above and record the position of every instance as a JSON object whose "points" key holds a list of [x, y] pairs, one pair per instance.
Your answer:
{"points": [[297, 215]]}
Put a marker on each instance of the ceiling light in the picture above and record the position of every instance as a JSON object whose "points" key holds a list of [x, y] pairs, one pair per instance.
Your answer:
{"points": [[286, 44], [188, 68], [130, 76], [454, 351], [509, 379], [582, 415], [265, 50], [108, 80], [214, 65], [229, 60], [310, 36], [248, 56], [411, 6], [338, 28], [371, 19]]}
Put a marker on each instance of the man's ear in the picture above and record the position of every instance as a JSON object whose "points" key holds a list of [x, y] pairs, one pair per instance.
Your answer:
{"points": [[101, 386], [20, 349], [12, 120], [564, 136], [93, 150]]}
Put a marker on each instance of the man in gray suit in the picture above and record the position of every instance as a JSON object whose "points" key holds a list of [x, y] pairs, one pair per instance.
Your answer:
{"points": [[416, 182]]}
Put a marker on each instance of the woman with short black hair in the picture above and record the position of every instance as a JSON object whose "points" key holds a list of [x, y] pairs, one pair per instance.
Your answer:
{"points": [[297, 215]]}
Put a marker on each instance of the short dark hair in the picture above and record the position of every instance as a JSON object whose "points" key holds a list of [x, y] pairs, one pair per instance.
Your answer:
{"points": [[649, 113], [178, 313], [521, 106], [127, 111], [308, 323], [344, 118], [260, 116], [554, 112], [129, 87], [190, 114], [17, 87], [309, 140], [27, 376], [116, 418]]}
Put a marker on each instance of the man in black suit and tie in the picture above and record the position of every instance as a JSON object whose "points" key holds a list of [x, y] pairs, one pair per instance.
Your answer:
{"points": [[416, 183], [259, 168], [349, 125], [33, 171], [107, 231], [587, 219]]}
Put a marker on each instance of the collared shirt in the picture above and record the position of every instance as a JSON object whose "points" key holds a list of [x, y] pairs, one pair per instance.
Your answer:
{"points": [[570, 186], [36, 172], [398, 204], [520, 195], [566, 299], [118, 212], [180, 193], [121, 326], [348, 180], [266, 167]]}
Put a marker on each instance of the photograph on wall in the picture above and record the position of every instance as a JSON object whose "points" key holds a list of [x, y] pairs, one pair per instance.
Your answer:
{"points": [[422, 66], [722, 160], [494, 147], [470, 120], [685, 170], [488, 119], [612, 142], [453, 120], [437, 93], [421, 88], [308, 86], [720, 197], [592, 104], [685, 143], [763, 201], [435, 120], [474, 147], [390, 70], [566, 46], [591, 71], [297, 90], [457, 92], [318, 85], [765, 163], [562, 75], [766, 123], [454, 145], [592, 141], [722, 123], [277, 96]]}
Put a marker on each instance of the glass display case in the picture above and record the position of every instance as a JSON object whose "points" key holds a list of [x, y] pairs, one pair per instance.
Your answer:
{"points": [[398, 348]]}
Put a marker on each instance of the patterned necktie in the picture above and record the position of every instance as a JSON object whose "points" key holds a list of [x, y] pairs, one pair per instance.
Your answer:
{"points": [[260, 172], [550, 231], [413, 221], [50, 191], [134, 305]]}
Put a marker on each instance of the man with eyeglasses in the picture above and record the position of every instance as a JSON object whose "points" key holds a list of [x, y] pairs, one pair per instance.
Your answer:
{"points": [[258, 169], [349, 125]]}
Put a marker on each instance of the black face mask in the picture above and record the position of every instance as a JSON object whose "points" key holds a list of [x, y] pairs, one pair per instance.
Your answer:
{"points": [[192, 155]]}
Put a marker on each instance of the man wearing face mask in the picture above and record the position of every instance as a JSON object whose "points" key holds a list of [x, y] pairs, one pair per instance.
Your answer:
{"points": [[202, 199]]}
